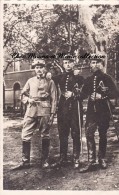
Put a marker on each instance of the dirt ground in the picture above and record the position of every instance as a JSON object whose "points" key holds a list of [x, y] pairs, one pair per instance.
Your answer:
{"points": [[65, 178]]}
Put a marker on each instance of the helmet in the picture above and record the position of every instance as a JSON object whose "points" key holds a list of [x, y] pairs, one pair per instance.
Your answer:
{"points": [[38, 62]]}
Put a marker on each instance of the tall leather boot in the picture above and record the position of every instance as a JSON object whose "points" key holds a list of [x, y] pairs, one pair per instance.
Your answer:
{"points": [[25, 156], [91, 157], [63, 153], [45, 152], [76, 152], [91, 151], [102, 152], [63, 149]]}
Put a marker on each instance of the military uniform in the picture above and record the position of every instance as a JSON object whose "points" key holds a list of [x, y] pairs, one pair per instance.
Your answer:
{"points": [[67, 115], [43, 93], [98, 114]]}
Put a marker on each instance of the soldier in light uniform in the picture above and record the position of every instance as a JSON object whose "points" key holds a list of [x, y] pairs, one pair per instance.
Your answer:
{"points": [[99, 88], [40, 96], [67, 115]]}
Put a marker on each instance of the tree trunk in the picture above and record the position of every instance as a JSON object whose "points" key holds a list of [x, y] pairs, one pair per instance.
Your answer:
{"points": [[95, 39]]}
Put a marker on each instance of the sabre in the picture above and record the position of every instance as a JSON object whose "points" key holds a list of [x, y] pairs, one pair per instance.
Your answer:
{"points": [[112, 119], [79, 117]]}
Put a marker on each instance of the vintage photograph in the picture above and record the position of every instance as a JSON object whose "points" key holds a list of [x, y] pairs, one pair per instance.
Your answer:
{"points": [[61, 97]]}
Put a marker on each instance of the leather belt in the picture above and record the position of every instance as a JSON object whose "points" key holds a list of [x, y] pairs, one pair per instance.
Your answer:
{"points": [[40, 98]]}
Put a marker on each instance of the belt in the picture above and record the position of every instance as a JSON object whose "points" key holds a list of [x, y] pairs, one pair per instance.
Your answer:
{"points": [[40, 98]]}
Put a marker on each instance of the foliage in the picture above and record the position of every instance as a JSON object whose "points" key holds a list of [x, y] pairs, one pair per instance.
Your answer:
{"points": [[52, 29]]}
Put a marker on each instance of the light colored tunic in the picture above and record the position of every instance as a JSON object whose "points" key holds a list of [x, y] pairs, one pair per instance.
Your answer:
{"points": [[43, 91], [39, 89]]}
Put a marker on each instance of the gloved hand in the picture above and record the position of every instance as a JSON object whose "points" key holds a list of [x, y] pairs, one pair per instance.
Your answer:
{"points": [[49, 76], [31, 101], [68, 94], [95, 97], [76, 72], [24, 99]]}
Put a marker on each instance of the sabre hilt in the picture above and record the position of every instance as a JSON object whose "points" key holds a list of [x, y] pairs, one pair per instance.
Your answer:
{"points": [[77, 90], [104, 89]]}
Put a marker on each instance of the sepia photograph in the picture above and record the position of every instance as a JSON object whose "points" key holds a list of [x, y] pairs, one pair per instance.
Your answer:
{"points": [[60, 97]]}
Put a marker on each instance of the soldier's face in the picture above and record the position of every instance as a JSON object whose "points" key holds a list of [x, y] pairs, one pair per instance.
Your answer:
{"points": [[68, 65], [100, 66], [40, 70], [94, 66]]}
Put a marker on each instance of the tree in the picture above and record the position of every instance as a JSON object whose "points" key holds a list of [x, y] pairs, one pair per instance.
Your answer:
{"points": [[59, 28]]}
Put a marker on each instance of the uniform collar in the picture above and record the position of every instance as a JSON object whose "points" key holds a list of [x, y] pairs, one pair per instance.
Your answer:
{"points": [[40, 77], [69, 73], [98, 73]]}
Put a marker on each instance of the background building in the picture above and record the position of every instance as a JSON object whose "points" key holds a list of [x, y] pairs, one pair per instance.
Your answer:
{"points": [[19, 72]]}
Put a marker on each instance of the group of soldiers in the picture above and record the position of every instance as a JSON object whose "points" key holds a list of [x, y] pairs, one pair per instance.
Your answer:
{"points": [[41, 95]]}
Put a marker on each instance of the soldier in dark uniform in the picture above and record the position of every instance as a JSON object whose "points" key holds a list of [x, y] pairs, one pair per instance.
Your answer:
{"points": [[40, 96], [99, 88], [67, 115]]}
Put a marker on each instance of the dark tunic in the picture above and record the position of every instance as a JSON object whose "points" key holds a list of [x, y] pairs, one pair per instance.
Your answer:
{"points": [[98, 112], [98, 109], [68, 108]]}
